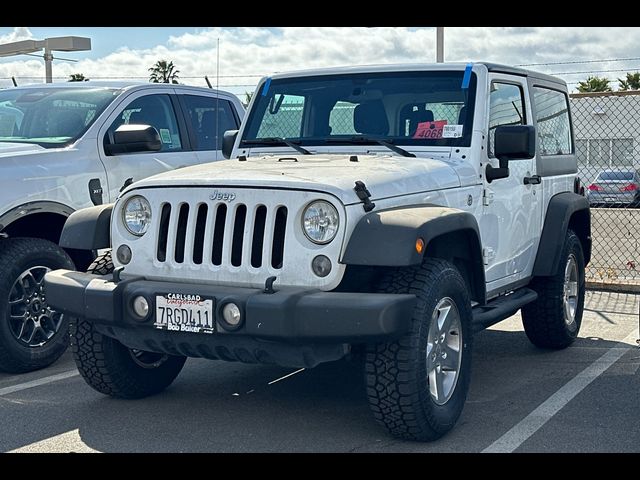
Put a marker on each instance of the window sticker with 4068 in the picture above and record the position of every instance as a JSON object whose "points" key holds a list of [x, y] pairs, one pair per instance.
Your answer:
{"points": [[184, 313]]}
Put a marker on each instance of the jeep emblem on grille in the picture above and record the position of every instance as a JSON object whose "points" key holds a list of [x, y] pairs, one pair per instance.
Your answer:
{"points": [[224, 196]]}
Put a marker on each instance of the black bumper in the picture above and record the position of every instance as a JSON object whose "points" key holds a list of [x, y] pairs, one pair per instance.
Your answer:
{"points": [[288, 318]]}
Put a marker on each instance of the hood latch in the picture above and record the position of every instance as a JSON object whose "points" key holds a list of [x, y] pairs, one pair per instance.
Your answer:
{"points": [[364, 194]]}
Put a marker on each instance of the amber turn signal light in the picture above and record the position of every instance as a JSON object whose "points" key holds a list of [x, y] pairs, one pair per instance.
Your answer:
{"points": [[419, 245]]}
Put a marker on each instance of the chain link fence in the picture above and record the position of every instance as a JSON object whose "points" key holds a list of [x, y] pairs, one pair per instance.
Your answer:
{"points": [[607, 131]]}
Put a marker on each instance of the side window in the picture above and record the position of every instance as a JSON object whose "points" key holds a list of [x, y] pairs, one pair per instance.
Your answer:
{"points": [[210, 117], [552, 117], [154, 110], [283, 117], [506, 107]]}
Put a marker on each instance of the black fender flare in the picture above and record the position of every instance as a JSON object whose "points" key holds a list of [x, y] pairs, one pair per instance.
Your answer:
{"points": [[564, 210], [387, 238], [30, 208], [88, 228]]}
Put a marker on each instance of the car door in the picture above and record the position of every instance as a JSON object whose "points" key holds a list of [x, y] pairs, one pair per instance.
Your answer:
{"points": [[155, 107], [207, 118], [510, 223]]}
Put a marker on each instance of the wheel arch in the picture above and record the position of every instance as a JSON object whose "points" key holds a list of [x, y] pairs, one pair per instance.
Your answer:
{"points": [[45, 220], [387, 238], [566, 210]]}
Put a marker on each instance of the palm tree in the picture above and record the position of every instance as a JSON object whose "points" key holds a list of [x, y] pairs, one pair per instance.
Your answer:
{"points": [[247, 98], [594, 84], [77, 77], [163, 72], [632, 82]]}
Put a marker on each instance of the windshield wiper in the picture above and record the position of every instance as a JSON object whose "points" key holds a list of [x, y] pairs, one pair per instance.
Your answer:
{"points": [[358, 139], [277, 140]]}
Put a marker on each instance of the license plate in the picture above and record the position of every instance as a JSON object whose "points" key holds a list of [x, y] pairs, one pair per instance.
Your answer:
{"points": [[184, 313], [609, 199]]}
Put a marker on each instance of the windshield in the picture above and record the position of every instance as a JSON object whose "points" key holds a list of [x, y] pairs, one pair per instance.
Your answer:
{"points": [[406, 108], [50, 117]]}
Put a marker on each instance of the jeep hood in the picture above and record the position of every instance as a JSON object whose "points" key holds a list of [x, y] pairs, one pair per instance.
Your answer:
{"points": [[384, 175], [8, 149]]}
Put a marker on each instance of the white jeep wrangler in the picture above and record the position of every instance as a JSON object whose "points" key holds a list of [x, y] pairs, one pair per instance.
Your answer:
{"points": [[388, 210], [67, 146]]}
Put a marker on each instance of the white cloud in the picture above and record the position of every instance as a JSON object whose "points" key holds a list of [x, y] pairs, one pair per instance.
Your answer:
{"points": [[18, 33], [260, 51]]}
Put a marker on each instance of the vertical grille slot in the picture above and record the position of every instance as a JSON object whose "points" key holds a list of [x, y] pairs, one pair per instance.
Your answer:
{"points": [[238, 235], [163, 232], [198, 237], [258, 236], [181, 234], [279, 228], [218, 235]]}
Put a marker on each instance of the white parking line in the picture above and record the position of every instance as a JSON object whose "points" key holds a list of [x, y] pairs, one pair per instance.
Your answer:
{"points": [[36, 383], [64, 443], [286, 376], [535, 420]]}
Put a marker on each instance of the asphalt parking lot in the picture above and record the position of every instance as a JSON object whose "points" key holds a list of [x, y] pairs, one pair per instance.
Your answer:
{"points": [[583, 399]]}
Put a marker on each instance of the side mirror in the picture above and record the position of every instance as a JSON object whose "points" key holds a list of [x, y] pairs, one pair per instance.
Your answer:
{"points": [[228, 140], [134, 138], [511, 142]]}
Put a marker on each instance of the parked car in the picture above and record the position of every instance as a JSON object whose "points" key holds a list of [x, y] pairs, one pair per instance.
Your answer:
{"points": [[389, 210], [72, 145], [615, 188]]}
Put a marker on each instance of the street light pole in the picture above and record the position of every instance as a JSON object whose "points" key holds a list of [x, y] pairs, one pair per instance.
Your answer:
{"points": [[48, 64], [49, 45], [440, 44]]}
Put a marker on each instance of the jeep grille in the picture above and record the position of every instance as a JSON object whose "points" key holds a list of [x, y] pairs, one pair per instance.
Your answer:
{"points": [[222, 234]]}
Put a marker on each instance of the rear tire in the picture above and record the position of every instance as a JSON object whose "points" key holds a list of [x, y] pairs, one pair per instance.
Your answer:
{"points": [[417, 385], [554, 319], [32, 336], [113, 369]]}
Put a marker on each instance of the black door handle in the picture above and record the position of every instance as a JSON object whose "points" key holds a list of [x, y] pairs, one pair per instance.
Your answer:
{"points": [[535, 180]]}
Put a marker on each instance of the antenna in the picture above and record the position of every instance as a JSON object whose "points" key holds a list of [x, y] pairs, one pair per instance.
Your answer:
{"points": [[206, 79], [218, 99], [13, 79]]}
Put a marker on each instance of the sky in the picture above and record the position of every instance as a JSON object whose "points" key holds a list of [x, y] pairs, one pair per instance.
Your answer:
{"points": [[247, 53]]}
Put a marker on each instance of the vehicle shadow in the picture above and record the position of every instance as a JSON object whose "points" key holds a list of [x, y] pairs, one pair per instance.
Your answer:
{"points": [[325, 409], [223, 407]]}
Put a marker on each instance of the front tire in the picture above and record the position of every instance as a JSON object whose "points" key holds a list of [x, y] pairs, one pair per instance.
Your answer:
{"points": [[417, 385], [554, 319], [113, 369], [32, 335]]}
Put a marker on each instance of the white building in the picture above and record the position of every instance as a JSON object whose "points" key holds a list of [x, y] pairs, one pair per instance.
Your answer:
{"points": [[607, 131]]}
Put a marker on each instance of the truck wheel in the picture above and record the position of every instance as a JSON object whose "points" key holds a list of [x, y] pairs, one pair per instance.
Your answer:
{"points": [[32, 335], [113, 369], [417, 385], [554, 319]]}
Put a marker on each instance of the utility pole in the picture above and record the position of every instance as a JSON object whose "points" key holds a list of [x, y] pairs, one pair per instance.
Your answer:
{"points": [[440, 44]]}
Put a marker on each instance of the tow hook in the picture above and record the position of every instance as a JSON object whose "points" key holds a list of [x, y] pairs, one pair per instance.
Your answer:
{"points": [[268, 285]]}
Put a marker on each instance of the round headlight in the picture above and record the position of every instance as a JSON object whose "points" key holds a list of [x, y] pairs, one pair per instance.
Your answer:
{"points": [[320, 222], [136, 215]]}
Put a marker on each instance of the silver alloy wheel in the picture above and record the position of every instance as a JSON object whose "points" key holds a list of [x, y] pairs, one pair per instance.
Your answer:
{"points": [[31, 321], [444, 350], [570, 291], [147, 359]]}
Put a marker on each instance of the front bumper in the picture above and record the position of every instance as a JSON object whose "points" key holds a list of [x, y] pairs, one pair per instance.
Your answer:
{"points": [[293, 326]]}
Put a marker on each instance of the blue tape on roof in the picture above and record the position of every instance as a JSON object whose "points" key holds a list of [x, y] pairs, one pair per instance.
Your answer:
{"points": [[467, 76], [265, 89]]}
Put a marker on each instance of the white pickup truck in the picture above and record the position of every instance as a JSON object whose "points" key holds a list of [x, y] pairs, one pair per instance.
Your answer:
{"points": [[392, 210], [64, 147]]}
